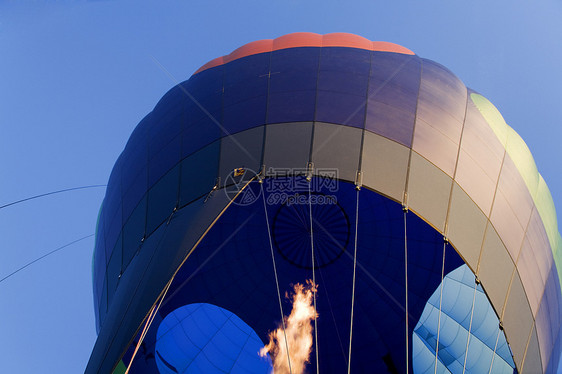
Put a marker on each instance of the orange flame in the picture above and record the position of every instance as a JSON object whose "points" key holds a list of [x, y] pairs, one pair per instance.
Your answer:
{"points": [[298, 332]]}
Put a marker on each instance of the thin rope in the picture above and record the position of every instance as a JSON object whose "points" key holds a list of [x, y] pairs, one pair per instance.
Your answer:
{"points": [[45, 255], [406, 287], [276, 278], [148, 323], [313, 274], [353, 284], [494, 354], [51, 193], [469, 326], [440, 306]]}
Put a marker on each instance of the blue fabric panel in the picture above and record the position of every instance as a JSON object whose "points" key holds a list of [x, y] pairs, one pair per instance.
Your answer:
{"points": [[203, 108], [204, 338], [246, 78], [112, 232], [291, 106], [244, 115], [344, 70], [103, 301], [393, 92], [162, 198], [342, 86], [198, 173], [162, 162], [294, 69], [113, 193], [165, 129], [134, 231], [292, 91], [99, 262], [133, 195], [206, 83], [113, 270], [340, 108], [135, 155]]}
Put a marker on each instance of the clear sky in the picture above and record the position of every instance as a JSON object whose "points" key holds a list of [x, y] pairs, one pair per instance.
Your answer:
{"points": [[77, 76]]}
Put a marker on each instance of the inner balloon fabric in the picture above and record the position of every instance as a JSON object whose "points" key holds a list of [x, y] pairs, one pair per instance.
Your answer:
{"points": [[232, 269]]}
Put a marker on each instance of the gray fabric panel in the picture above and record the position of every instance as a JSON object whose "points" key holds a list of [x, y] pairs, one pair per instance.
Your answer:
{"points": [[287, 145], [428, 191], [384, 165], [241, 150], [466, 226], [337, 146], [495, 269], [518, 320], [532, 362]]}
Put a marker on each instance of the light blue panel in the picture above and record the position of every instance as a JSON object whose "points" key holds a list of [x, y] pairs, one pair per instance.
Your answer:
{"points": [[462, 302]]}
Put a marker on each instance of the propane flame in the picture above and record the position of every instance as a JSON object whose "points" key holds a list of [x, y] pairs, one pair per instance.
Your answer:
{"points": [[298, 332]]}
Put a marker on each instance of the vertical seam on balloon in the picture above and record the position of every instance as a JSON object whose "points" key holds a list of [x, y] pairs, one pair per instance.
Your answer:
{"points": [[407, 316], [533, 323], [266, 119], [222, 130], [533, 328], [514, 262], [360, 162], [447, 216], [407, 183], [179, 164], [315, 107], [515, 270], [148, 186]]}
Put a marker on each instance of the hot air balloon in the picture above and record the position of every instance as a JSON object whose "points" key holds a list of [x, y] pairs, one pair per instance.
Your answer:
{"points": [[417, 216]]}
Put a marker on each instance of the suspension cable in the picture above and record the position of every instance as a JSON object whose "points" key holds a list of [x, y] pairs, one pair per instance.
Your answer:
{"points": [[440, 305], [313, 274], [470, 325], [353, 284], [43, 256], [276, 278], [149, 320], [51, 193], [495, 348], [406, 288]]}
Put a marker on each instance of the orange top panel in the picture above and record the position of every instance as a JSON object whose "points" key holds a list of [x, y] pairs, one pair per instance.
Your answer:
{"points": [[306, 39], [297, 39], [341, 39]]}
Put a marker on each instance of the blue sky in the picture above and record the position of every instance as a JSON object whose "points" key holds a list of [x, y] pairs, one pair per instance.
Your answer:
{"points": [[77, 76]]}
